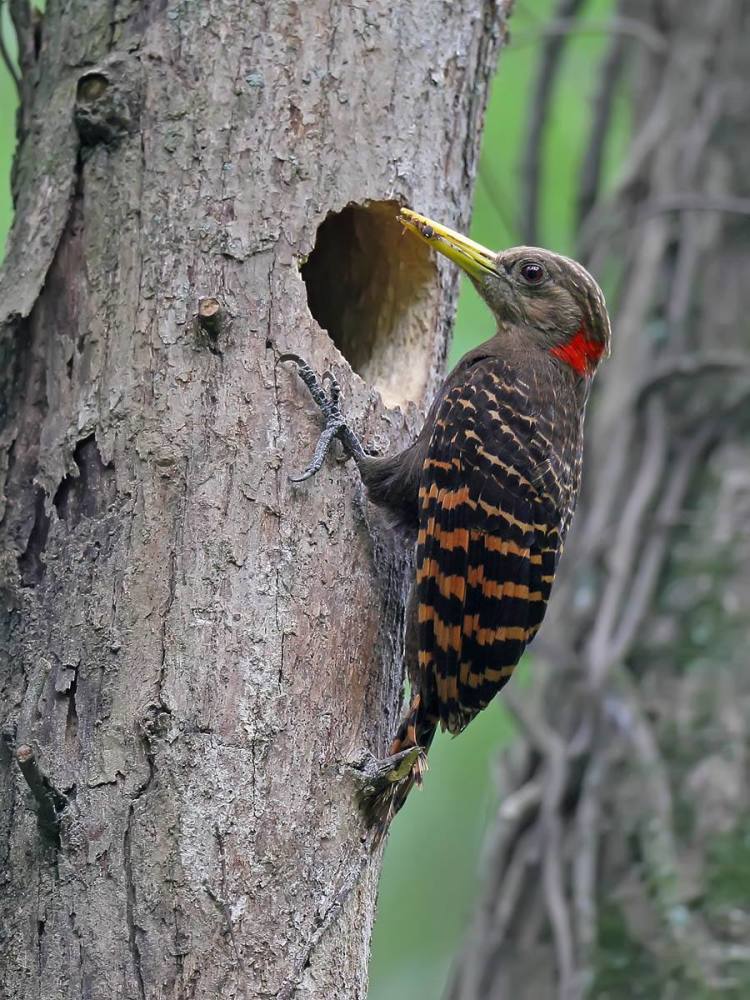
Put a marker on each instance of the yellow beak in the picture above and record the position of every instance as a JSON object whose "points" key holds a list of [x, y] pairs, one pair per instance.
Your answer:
{"points": [[473, 258]]}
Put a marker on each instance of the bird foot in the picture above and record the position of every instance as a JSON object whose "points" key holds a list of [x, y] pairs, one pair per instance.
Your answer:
{"points": [[379, 779], [326, 392], [370, 770]]}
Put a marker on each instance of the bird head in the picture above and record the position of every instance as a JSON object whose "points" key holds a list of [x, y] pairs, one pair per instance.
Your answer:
{"points": [[551, 298]]}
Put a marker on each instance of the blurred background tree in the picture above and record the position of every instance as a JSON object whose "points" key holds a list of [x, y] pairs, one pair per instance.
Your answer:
{"points": [[595, 836]]}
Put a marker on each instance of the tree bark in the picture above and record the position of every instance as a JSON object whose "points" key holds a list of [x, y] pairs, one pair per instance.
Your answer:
{"points": [[619, 863], [192, 649]]}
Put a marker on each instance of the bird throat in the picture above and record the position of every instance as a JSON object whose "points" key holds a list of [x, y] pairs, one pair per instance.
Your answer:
{"points": [[581, 352]]}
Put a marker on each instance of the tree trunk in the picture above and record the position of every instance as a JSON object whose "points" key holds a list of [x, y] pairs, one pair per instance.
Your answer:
{"points": [[619, 864], [192, 649]]}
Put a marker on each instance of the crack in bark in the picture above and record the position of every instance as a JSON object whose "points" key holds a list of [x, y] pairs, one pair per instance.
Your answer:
{"points": [[31, 565], [130, 894], [172, 590], [135, 951], [322, 924], [220, 901], [40, 926], [50, 803], [487, 50], [276, 433], [71, 717], [10, 460], [90, 493]]}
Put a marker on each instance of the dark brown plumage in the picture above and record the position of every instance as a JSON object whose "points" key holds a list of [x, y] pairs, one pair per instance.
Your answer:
{"points": [[490, 484]]}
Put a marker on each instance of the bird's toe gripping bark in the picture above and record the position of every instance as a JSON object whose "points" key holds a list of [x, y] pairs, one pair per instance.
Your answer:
{"points": [[326, 392], [381, 782], [384, 784]]}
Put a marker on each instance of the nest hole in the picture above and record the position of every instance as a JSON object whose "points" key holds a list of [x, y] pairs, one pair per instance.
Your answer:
{"points": [[374, 289]]}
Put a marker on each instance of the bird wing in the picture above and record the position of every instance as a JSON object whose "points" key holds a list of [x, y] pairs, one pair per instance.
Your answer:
{"points": [[490, 522]]}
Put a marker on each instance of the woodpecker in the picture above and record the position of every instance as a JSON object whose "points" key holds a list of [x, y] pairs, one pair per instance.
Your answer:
{"points": [[489, 485]]}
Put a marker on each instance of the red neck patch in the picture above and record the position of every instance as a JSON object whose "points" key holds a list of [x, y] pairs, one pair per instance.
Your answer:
{"points": [[580, 352]]}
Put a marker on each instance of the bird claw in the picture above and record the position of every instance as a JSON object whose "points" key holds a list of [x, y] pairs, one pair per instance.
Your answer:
{"points": [[379, 782], [369, 769], [331, 430], [375, 775], [316, 386], [326, 392]]}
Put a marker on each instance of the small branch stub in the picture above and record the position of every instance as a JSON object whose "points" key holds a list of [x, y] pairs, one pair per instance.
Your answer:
{"points": [[209, 315], [108, 103], [91, 87], [51, 803]]}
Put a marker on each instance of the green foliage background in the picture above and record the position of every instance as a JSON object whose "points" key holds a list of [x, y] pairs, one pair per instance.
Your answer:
{"points": [[432, 864], [8, 104]]}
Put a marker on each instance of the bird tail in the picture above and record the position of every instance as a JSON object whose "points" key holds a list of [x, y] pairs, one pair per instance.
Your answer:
{"points": [[409, 748]]}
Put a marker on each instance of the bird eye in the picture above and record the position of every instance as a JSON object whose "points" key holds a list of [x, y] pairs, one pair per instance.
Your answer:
{"points": [[531, 272]]}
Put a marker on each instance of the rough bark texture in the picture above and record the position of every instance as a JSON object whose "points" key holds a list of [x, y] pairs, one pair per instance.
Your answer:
{"points": [[192, 649], [619, 863]]}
